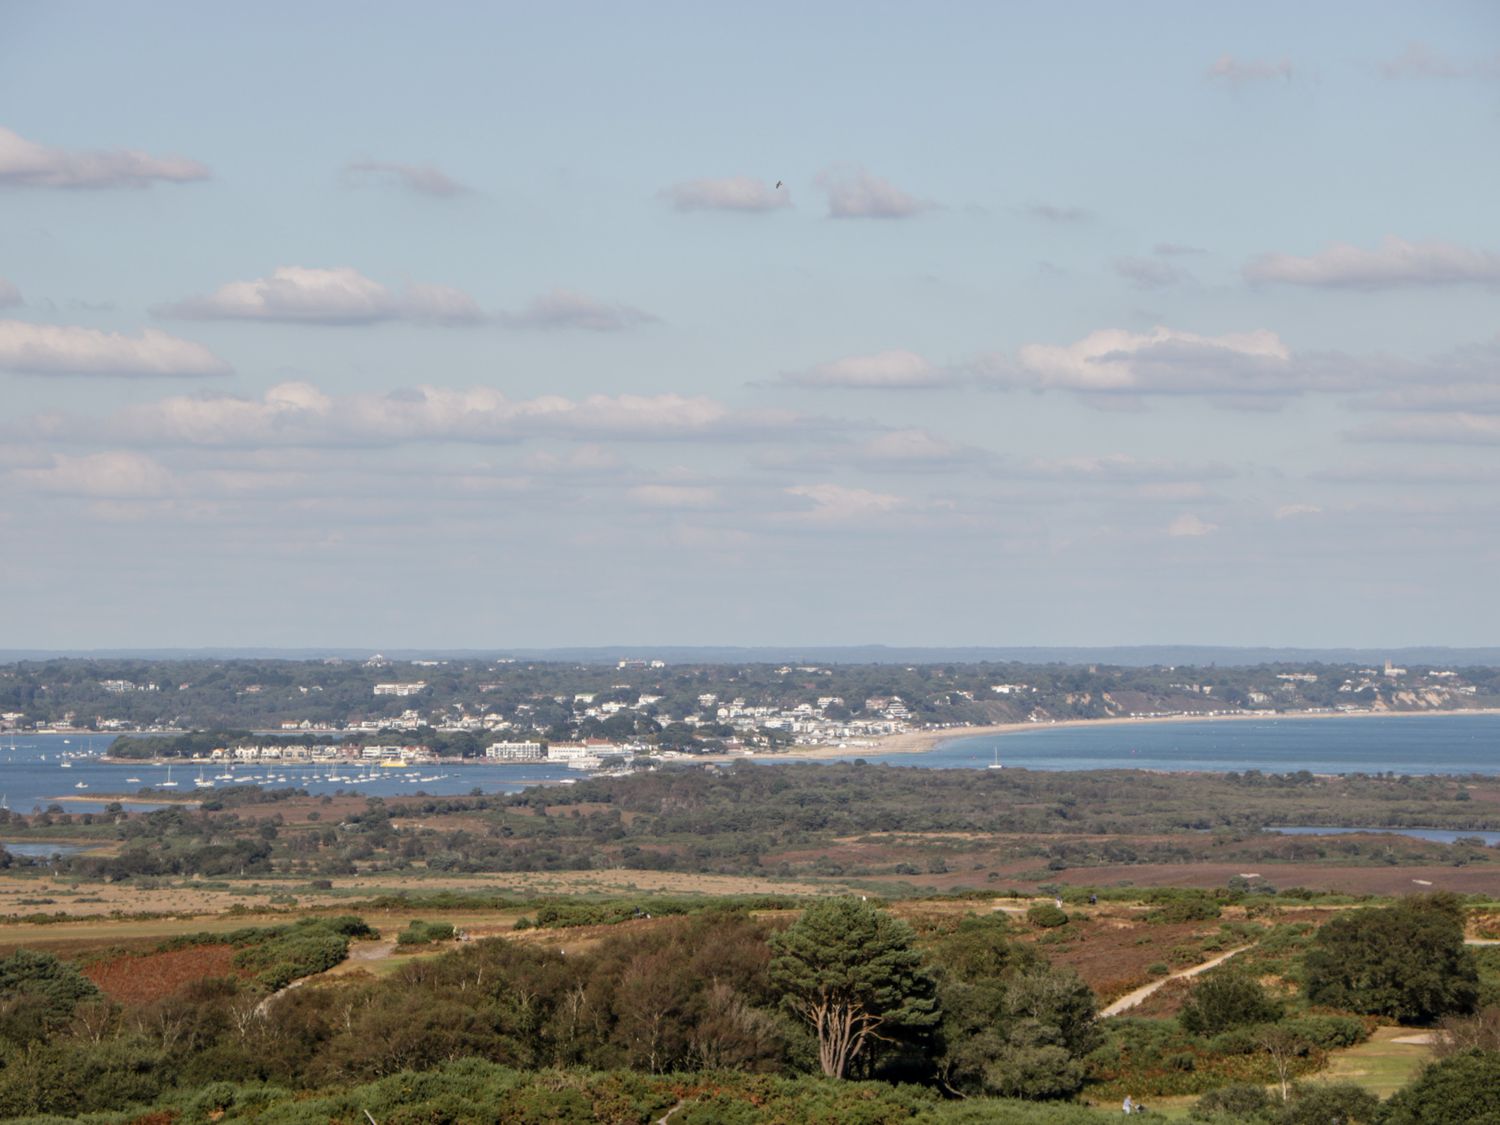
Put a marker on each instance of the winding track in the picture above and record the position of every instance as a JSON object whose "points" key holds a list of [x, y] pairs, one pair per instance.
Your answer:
{"points": [[1131, 999]]}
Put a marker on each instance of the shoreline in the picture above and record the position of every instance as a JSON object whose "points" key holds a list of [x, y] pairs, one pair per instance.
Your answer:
{"points": [[921, 741], [909, 742]]}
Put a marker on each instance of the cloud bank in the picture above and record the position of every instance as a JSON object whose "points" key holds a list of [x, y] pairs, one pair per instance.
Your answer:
{"points": [[729, 193], [1396, 262], [1162, 361], [338, 296], [854, 193], [26, 163], [301, 414], [54, 349], [889, 370], [564, 309]]}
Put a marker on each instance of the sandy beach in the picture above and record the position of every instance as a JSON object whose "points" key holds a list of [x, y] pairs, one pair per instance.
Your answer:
{"points": [[920, 741]]}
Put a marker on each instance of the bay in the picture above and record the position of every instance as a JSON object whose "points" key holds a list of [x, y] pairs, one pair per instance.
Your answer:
{"points": [[32, 774], [1454, 744]]}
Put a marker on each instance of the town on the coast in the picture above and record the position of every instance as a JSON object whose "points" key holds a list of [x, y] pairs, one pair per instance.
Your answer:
{"points": [[384, 713]]}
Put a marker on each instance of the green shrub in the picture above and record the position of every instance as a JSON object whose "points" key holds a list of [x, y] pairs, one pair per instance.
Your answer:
{"points": [[1227, 998], [1236, 1102], [1046, 915], [418, 932], [1328, 1032], [1185, 908]]}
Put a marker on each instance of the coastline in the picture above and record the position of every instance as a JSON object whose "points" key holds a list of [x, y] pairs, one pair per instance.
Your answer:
{"points": [[921, 741]]}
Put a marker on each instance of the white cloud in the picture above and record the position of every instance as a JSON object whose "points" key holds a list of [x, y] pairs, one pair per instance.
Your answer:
{"points": [[564, 309], [57, 349], [26, 163], [1395, 262], [300, 414], [1297, 511], [342, 295], [854, 193], [890, 370], [1422, 61], [680, 497], [835, 503], [1162, 361], [9, 294], [422, 179], [118, 475], [729, 193], [1189, 526], [1240, 72]]}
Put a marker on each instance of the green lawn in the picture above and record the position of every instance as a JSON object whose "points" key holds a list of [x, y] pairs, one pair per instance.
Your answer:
{"points": [[1380, 1065]]}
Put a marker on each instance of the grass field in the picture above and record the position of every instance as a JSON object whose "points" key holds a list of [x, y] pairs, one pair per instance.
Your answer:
{"points": [[1381, 1065]]}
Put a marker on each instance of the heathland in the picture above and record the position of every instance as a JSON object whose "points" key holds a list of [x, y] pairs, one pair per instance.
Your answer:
{"points": [[695, 941]]}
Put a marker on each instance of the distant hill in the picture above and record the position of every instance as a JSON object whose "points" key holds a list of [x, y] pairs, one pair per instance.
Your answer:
{"points": [[1123, 655]]}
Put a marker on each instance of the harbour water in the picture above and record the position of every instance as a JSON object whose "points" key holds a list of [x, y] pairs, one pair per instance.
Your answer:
{"points": [[32, 774], [1403, 744], [43, 769]]}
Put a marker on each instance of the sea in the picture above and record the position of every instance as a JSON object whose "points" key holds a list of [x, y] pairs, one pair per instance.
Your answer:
{"points": [[1402, 744], [40, 770]]}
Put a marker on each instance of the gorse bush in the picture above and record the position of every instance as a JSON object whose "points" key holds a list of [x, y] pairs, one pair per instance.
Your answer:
{"points": [[1046, 915], [425, 933]]}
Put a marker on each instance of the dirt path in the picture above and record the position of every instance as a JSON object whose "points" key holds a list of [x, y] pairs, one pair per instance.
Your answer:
{"points": [[1131, 999]]}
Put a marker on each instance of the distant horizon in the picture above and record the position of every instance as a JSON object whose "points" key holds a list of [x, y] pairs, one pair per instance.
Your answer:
{"points": [[1123, 655]]}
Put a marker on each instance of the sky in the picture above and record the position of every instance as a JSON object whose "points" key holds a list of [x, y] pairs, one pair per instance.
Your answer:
{"points": [[488, 325]]}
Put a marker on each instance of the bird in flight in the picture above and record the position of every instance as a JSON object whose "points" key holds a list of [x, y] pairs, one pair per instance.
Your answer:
{"points": [[778, 183]]}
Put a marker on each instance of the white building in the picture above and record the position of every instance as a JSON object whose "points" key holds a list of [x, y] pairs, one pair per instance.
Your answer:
{"points": [[414, 688], [515, 751], [569, 751]]}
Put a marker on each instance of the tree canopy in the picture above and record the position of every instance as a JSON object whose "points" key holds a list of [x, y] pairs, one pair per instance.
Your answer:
{"points": [[851, 973], [1406, 962]]}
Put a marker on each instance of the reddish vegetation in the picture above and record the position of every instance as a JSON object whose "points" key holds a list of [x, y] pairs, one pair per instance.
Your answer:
{"points": [[141, 979], [1112, 954]]}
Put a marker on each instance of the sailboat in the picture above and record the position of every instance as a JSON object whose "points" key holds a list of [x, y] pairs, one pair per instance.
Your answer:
{"points": [[203, 782], [169, 783], [995, 765]]}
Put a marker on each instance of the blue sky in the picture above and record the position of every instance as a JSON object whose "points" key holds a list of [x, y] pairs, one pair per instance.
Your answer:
{"points": [[485, 325]]}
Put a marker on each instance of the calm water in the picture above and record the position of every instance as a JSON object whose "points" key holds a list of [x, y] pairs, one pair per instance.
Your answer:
{"points": [[32, 776], [1446, 744], [1436, 835], [39, 851]]}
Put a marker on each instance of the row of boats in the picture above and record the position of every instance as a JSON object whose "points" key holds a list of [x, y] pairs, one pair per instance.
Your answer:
{"points": [[295, 777]]}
